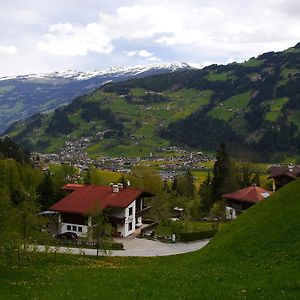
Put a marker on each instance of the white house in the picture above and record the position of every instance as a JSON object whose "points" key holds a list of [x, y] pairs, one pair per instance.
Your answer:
{"points": [[125, 208]]}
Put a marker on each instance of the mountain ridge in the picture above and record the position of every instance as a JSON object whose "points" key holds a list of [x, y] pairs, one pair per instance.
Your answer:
{"points": [[24, 95], [83, 75], [252, 106]]}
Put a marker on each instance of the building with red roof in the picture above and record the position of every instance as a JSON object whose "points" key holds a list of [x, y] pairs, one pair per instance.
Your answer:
{"points": [[245, 198], [125, 207]]}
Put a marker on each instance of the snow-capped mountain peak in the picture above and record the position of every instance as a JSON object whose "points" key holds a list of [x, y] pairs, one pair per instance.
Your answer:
{"points": [[114, 70]]}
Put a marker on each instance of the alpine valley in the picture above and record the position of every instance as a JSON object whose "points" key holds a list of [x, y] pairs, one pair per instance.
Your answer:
{"points": [[25, 95], [253, 106]]}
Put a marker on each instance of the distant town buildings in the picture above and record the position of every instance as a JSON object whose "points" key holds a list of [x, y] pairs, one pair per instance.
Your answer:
{"points": [[74, 153]]}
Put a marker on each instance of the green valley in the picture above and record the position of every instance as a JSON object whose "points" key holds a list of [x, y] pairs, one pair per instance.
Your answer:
{"points": [[251, 106]]}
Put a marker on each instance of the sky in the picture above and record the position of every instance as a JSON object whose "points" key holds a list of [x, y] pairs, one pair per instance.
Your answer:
{"points": [[53, 35]]}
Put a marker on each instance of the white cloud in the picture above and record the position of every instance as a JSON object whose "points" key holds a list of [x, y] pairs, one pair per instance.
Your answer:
{"points": [[145, 54], [130, 53], [67, 39], [11, 50], [199, 31], [211, 26], [154, 58], [135, 22]]}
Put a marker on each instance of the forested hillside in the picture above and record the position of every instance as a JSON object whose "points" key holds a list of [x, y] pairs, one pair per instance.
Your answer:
{"points": [[9, 149], [25, 95], [253, 106]]}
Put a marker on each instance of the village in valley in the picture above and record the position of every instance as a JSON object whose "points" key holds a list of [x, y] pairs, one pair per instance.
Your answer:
{"points": [[170, 160], [171, 171]]}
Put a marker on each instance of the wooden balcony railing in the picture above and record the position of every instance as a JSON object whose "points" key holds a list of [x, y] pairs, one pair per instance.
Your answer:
{"points": [[142, 211]]}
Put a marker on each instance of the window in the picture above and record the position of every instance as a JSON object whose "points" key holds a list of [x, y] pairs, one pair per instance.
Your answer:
{"points": [[79, 229], [74, 228], [130, 226], [130, 211], [69, 227]]}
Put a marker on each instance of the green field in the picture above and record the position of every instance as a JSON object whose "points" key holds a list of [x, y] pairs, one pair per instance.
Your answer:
{"points": [[252, 62], [143, 121], [228, 108], [256, 257], [214, 76], [276, 106]]}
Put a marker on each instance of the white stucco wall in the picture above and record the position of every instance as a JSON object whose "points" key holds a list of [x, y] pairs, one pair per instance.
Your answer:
{"points": [[64, 228], [129, 219], [120, 213]]}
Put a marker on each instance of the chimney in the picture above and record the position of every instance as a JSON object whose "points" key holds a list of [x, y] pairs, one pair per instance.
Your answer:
{"points": [[128, 183], [290, 168], [120, 185], [115, 188]]}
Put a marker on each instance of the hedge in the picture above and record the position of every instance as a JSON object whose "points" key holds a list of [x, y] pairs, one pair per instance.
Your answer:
{"points": [[111, 246], [197, 235]]}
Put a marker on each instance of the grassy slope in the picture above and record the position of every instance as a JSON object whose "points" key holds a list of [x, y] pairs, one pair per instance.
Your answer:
{"points": [[276, 106], [231, 106], [150, 117], [140, 126], [257, 257]]}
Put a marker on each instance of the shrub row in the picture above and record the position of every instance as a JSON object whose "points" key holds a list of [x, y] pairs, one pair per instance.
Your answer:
{"points": [[111, 246], [197, 235]]}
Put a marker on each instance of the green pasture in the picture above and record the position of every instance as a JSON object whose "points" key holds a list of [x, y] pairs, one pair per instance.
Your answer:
{"points": [[257, 256]]}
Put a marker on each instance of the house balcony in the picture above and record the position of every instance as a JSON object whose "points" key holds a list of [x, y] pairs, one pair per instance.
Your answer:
{"points": [[142, 211], [116, 220]]}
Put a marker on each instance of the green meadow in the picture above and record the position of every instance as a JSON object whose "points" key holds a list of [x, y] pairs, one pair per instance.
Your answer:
{"points": [[256, 257]]}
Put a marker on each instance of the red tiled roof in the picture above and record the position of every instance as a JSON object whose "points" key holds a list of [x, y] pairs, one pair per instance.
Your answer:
{"points": [[250, 194], [83, 199], [72, 186]]}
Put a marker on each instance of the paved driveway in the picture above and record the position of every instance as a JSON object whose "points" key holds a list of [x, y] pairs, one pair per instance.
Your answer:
{"points": [[139, 247], [144, 247]]}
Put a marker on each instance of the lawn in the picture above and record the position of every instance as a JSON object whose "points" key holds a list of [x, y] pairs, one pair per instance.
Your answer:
{"points": [[256, 257]]}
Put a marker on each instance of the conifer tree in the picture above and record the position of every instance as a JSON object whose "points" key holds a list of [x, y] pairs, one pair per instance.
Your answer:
{"points": [[206, 200], [46, 192], [224, 179]]}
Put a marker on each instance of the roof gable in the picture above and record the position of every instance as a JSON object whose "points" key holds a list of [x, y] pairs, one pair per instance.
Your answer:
{"points": [[82, 200], [250, 194], [284, 171]]}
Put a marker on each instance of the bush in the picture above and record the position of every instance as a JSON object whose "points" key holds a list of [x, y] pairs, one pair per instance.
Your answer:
{"points": [[197, 235], [111, 246]]}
